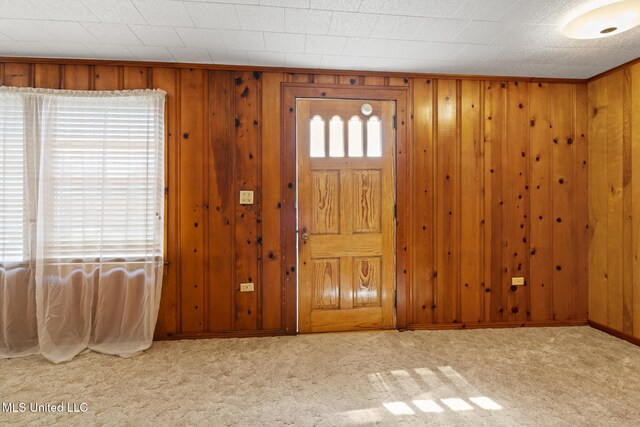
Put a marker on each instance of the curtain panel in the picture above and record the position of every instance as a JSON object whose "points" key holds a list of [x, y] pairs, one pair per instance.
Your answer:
{"points": [[81, 221]]}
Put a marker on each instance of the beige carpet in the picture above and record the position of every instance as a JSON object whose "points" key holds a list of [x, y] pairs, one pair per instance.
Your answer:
{"points": [[500, 377]]}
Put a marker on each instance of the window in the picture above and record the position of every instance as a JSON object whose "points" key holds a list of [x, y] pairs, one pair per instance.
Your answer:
{"points": [[317, 137], [374, 137], [87, 169], [336, 137], [355, 137], [12, 215], [355, 144]]}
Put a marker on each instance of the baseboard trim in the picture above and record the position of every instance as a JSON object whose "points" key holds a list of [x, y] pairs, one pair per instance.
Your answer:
{"points": [[222, 334], [487, 325], [412, 327], [615, 332]]}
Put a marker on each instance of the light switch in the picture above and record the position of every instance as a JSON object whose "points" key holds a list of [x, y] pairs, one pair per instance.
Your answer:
{"points": [[246, 197], [246, 287], [517, 281]]}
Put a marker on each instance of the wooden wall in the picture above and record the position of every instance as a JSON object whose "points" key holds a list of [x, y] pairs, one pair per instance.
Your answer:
{"points": [[614, 200], [498, 189]]}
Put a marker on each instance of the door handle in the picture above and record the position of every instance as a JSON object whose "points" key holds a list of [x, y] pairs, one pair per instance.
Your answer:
{"points": [[305, 236]]}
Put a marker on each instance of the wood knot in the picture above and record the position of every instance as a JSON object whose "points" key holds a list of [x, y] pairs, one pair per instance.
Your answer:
{"points": [[257, 75], [238, 81]]}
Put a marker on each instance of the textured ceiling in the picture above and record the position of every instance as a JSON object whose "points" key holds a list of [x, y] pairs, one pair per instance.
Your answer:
{"points": [[485, 37]]}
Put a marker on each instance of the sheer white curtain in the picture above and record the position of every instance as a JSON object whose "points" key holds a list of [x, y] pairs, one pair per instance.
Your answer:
{"points": [[81, 227]]}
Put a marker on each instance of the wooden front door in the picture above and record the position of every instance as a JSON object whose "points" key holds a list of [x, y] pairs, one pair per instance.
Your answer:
{"points": [[346, 204]]}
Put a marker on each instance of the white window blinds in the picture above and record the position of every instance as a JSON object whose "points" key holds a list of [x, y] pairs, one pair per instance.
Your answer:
{"points": [[95, 162], [12, 212], [105, 159]]}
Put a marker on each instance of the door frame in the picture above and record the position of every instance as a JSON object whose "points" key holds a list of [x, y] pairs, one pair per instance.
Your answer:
{"points": [[290, 93]]}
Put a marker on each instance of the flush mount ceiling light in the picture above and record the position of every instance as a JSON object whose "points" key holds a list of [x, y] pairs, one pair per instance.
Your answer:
{"points": [[597, 20]]}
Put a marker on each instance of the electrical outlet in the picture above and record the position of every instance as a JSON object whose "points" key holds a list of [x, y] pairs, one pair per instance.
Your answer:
{"points": [[246, 197], [517, 281], [246, 287]]}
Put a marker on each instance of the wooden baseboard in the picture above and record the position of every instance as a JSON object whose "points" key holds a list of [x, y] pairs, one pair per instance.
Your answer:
{"points": [[222, 334], [414, 327], [615, 333], [487, 325]]}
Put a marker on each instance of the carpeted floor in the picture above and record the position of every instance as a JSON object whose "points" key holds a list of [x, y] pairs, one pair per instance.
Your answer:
{"points": [[499, 377]]}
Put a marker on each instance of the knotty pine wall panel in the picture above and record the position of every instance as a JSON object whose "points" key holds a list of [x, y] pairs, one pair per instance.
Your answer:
{"points": [[483, 192], [247, 168], [614, 200], [510, 161]]}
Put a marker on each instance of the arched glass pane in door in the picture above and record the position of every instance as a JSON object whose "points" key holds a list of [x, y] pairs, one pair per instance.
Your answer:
{"points": [[316, 137], [374, 137], [336, 137], [355, 137]]}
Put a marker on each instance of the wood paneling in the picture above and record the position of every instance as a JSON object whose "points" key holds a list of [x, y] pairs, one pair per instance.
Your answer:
{"points": [[169, 313], [271, 203], [48, 76], [497, 251], [490, 181], [517, 198], [471, 202], [247, 171], [475, 209], [614, 200], [193, 206], [447, 203], [221, 119], [422, 289], [77, 77], [541, 187]]}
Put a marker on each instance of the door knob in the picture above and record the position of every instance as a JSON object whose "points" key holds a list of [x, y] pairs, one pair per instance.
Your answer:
{"points": [[305, 236]]}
